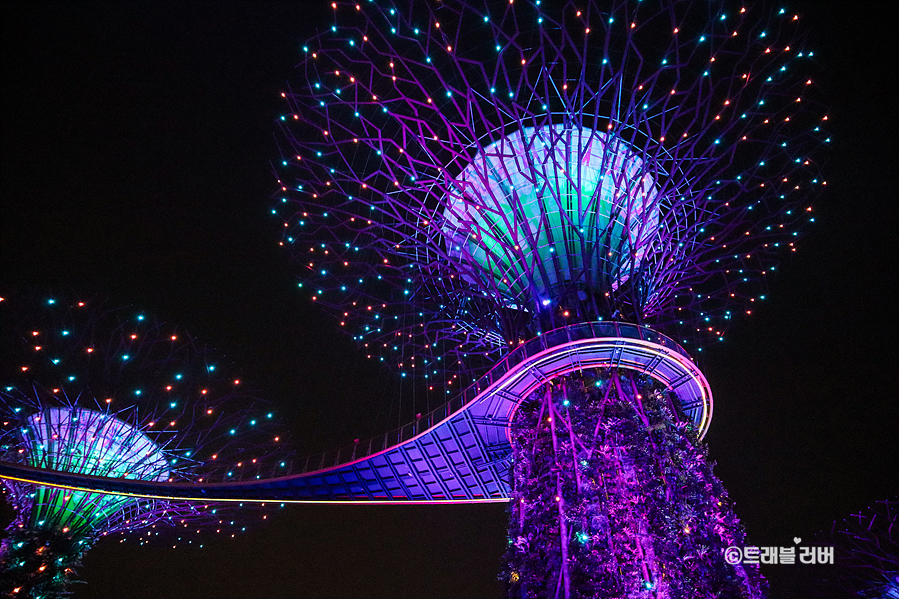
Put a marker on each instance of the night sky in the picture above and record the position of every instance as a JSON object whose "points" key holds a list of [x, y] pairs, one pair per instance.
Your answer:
{"points": [[137, 142]]}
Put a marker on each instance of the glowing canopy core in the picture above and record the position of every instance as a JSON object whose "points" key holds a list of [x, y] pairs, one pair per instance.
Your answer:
{"points": [[547, 211], [86, 441]]}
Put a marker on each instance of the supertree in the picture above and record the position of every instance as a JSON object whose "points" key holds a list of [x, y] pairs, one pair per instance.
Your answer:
{"points": [[867, 551], [457, 179], [115, 393]]}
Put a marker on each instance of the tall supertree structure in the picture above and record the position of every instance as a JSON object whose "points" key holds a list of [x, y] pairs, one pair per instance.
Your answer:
{"points": [[114, 393], [459, 178]]}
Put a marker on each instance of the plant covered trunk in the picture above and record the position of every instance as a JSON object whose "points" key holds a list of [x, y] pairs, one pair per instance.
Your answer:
{"points": [[39, 563], [614, 497]]}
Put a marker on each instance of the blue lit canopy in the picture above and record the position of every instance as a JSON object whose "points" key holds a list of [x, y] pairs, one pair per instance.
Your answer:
{"points": [[83, 441], [552, 210]]}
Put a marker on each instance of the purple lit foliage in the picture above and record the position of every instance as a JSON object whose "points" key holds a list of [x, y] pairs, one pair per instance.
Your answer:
{"points": [[459, 177], [115, 393], [615, 497]]}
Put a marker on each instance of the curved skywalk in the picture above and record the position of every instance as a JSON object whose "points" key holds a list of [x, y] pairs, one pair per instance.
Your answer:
{"points": [[459, 453]]}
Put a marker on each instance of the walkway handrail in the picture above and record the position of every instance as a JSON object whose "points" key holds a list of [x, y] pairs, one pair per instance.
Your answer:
{"points": [[377, 471], [543, 341]]}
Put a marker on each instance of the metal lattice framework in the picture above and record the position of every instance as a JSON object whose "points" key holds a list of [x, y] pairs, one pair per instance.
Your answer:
{"points": [[459, 180], [533, 186], [460, 452], [94, 391], [457, 177], [70, 439]]}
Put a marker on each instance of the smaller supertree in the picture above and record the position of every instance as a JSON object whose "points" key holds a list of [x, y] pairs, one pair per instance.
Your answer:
{"points": [[54, 527], [114, 393], [867, 551]]}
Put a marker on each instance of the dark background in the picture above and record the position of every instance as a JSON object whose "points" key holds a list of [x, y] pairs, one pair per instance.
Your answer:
{"points": [[136, 143]]}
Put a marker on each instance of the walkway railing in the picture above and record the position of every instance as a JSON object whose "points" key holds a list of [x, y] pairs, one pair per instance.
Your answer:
{"points": [[553, 338]]}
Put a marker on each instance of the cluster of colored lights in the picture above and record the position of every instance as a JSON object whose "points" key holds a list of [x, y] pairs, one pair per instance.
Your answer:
{"points": [[114, 366], [230, 528], [147, 339], [397, 102]]}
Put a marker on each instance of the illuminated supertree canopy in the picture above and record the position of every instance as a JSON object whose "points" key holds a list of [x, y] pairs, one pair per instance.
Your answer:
{"points": [[458, 177], [136, 139], [116, 393]]}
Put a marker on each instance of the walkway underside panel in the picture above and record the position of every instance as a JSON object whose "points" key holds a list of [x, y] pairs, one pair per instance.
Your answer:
{"points": [[466, 457]]}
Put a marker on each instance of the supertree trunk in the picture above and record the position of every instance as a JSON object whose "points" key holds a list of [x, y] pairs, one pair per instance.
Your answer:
{"points": [[37, 564], [614, 497]]}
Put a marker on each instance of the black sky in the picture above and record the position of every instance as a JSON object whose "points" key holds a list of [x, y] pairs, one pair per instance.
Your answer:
{"points": [[136, 143]]}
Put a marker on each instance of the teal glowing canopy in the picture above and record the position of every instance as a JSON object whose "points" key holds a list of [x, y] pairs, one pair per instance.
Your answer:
{"points": [[548, 211], [87, 442]]}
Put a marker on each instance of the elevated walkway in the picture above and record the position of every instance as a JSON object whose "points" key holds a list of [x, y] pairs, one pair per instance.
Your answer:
{"points": [[459, 453]]}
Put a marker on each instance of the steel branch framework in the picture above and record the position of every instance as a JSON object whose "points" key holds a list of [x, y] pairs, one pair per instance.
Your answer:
{"points": [[111, 393], [462, 179], [457, 178], [868, 551], [460, 453]]}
